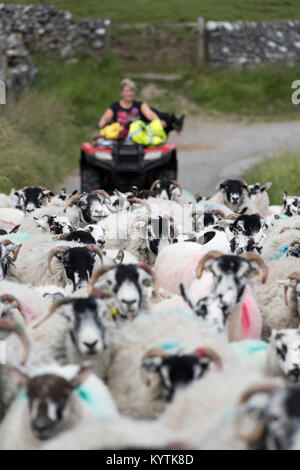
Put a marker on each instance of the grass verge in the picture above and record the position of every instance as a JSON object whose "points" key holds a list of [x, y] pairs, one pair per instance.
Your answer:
{"points": [[283, 171]]}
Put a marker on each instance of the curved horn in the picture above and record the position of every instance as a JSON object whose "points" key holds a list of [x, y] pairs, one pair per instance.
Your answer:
{"points": [[102, 193], [16, 252], [219, 212], [295, 242], [10, 299], [220, 184], [154, 352], [294, 275], [178, 186], [52, 309], [95, 277], [214, 254], [154, 184], [9, 325], [250, 256], [72, 200], [253, 436], [143, 202], [58, 249], [211, 354], [147, 268], [96, 250], [232, 216]]}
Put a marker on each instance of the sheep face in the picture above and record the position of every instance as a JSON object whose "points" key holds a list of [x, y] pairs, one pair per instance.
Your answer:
{"points": [[166, 374], [257, 189], [78, 263], [212, 309], [160, 233], [246, 234], [48, 400], [235, 192], [230, 277], [291, 204], [98, 233], [277, 419], [86, 324], [5, 259], [294, 250], [33, 198], [93, 208], [131, 285], [287, 345], [168, 189], [55, 224]]}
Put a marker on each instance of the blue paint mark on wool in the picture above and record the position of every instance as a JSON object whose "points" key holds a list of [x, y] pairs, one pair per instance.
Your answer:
{"points": [[16, 237], [248, 347], [281, 253], [167, 346]]}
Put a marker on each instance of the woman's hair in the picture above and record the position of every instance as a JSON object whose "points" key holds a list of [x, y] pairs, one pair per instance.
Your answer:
{"points": [[129, 83]]}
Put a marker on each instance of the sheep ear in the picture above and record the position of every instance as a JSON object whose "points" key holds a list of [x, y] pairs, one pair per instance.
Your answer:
{"points": [[19, 377], [265, 187], [85, 370]]}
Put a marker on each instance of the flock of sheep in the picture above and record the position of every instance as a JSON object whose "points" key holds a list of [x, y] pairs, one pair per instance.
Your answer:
{"points": [[151, 319]]}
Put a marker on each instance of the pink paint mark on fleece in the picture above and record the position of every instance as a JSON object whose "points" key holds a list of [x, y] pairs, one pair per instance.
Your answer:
{"points": [[31, 314], [251, 317]]}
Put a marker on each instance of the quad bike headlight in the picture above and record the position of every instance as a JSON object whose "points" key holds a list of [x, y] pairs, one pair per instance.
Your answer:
{"points": [[103, 155], [153, 155]]}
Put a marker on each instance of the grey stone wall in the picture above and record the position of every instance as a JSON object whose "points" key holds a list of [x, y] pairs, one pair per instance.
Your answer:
{"points": [[26, 29], [248, 44]]}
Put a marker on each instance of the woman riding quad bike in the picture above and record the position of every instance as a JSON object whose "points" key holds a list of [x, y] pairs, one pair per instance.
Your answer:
{"points": [[130, 159]]}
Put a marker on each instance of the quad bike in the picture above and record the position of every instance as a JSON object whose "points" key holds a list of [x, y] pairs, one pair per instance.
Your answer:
{"points": [[122, 166]]}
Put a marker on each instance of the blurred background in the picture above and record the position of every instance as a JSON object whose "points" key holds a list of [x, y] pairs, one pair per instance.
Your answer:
{"points": [[229, 66]]}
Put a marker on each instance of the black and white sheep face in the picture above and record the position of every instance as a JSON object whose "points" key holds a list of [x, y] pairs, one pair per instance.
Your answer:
{"points": [[5, 258], [291, 204], [92, 208], [235, 193], [294, 250], [97, 232], [246, 233], [167, 190], [55, 224], [287, 345], [86, 324], [230, 277], [167, 374], [278, 419], [48, 400], [131, 284], [78, 264], [257, 189], [33, 198], [212, 309]]}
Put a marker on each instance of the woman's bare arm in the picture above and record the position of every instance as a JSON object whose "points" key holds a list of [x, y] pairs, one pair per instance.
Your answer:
{"points": [[107, 116], [149, 114]]}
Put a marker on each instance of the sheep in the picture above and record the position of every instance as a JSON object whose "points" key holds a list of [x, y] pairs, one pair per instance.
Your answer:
{"points": [[235, 195], [56, 399], [291, 205], [283, 355], [117, 433], [73, 263], [130, 283], [92, 207], [170, 190], [278, 239], [32, 198], [181, 259], [13, 356], [259, 196], [7, 248], [276, 426], [246, 234], [49, 220], [271, 300], [30, 301], [76, 329], [175, 331], [204, 413]]}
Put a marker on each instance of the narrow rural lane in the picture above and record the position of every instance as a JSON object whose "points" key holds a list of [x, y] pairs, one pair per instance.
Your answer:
{"points": [[211, 150]]}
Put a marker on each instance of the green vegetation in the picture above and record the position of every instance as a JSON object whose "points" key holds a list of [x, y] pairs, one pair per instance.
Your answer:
{"points": [[283, 171], [168, 11]]}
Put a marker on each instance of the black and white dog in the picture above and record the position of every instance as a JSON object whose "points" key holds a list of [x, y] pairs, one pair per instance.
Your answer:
{"points": [[173, 123]]}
